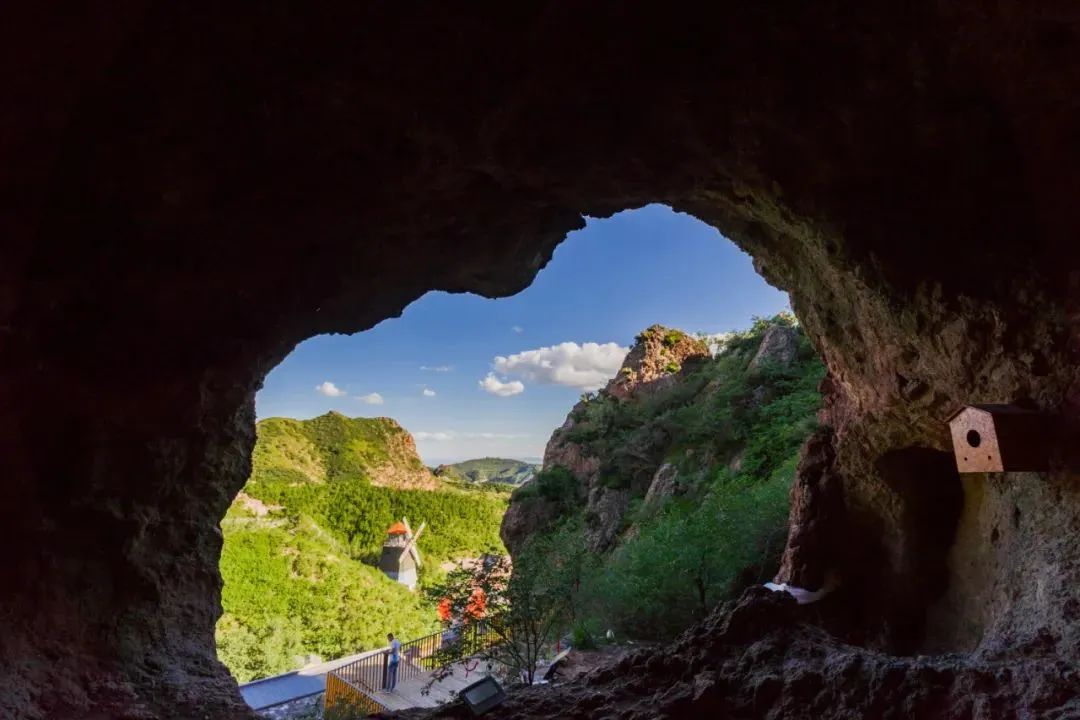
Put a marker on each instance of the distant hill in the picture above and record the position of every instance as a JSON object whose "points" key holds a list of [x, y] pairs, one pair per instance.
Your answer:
{"points": [[332, 445], [489, 470]]}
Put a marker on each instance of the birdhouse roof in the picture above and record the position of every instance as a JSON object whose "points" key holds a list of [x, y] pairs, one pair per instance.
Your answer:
{"points": [[992, 409], [397, 528]]}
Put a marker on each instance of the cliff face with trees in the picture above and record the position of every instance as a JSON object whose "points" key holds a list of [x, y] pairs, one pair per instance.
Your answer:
{"points": [[676, 475]]}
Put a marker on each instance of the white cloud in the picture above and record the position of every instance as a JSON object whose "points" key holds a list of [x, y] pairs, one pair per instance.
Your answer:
{"points": [[716, 342], [495, 386], [445, 435], [371, 398], [428, 392], [518, 329], [586, 367], [442, 436], [329, 389], [437, 368]]}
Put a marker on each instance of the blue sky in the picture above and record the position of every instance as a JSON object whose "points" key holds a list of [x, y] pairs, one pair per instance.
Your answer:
{"points": [[435, 369]]}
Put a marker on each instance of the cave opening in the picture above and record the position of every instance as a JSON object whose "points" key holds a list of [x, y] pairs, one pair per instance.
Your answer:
{"points": [[463, 377]]}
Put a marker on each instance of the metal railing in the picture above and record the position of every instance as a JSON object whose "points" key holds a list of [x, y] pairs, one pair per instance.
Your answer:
{"points": [[343, 699], [356, 683]]}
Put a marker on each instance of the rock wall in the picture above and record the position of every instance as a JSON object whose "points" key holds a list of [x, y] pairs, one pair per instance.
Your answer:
{"points": [[191, 189], [763, 657], [654, 364]]}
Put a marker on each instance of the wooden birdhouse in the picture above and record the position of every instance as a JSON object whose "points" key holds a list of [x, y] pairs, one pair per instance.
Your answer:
{"points": [[999, 438]]}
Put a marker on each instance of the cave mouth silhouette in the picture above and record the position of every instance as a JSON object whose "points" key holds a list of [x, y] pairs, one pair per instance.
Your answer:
{"points": [[710, 275], [193, 192]]}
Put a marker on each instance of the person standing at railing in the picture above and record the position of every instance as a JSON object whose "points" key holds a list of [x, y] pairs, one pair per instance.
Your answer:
{"points": [[394, 657]]}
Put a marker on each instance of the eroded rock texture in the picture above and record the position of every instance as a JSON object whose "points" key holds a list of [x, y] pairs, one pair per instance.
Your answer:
{"points": [[764, 657], [190, 189]]}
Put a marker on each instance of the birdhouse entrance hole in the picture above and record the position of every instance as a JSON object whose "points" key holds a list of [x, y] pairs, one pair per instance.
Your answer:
{"points": [[1000, 438]]}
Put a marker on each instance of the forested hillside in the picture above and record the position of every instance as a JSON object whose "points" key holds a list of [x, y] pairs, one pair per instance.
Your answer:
{"points": [[675, 476], [303, 537]]}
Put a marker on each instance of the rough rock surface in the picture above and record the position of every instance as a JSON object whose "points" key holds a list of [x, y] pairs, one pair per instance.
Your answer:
{"points": [[664, 484], [762, 657], [778, 345], [191, 189], [524, 518], [403, 468], [654, 362], [605, 509]]}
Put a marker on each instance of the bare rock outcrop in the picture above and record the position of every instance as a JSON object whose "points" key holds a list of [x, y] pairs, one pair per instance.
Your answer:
{"points": [[778, 345], [762, 657], [403, 467], [664, 485], [524, 518], [654, 362]]}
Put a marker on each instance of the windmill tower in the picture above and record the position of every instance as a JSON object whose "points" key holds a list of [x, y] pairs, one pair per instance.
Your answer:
{"points": [[400, 556]]}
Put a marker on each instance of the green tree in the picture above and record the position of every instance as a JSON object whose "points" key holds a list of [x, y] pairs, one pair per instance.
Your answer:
{"points": [[691, 556], [523, 611]]}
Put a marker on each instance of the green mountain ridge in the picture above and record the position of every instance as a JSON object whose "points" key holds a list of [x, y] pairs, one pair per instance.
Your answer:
{"points": [[489, 470], [302, 539], [333, 445]]}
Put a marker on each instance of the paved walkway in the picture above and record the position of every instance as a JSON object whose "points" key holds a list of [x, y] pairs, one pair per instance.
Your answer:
{"points": [[409, 694], [279, 689]]}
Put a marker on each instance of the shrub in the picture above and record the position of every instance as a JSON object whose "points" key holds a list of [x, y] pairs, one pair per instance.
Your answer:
{"points": [[690, 557], [672, 338], [582, 637]]}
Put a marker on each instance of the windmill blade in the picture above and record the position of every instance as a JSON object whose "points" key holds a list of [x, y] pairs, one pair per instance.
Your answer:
{"points": [[410, 546], [405, 522], [415, 547]]}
